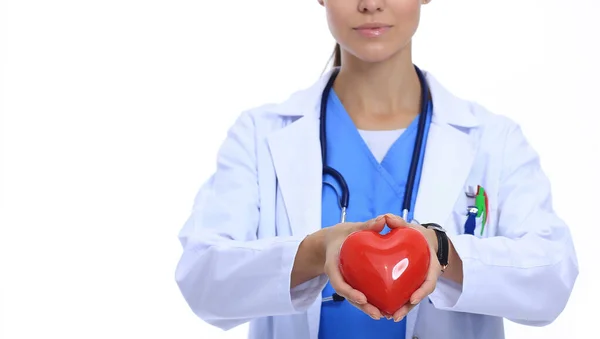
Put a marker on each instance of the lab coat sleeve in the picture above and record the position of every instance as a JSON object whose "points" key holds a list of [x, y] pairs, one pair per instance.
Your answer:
{"points": [[226, 275], [527, 271]]}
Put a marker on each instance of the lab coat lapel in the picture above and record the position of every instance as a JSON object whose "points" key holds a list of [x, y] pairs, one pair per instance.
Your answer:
{"points": [[296, 154], [295, 151], [449, 156], [448, 160]]}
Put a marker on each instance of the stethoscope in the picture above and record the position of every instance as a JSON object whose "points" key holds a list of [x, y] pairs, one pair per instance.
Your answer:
{"points": [[344, 196]]}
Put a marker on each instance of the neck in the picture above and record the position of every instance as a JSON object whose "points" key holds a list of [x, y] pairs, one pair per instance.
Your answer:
{"points": [[379, 90]]}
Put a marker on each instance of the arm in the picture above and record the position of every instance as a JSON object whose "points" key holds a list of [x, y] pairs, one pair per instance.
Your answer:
{"points": [[226, 275], [526, 273], [454, 271], [310, 260]]}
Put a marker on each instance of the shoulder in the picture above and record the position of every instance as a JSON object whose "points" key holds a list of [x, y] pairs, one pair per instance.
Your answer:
{"points": [[497, 137], [466, 113], [473, 116], [492, 124], [500, 141], [272, 116], [260, 121]]}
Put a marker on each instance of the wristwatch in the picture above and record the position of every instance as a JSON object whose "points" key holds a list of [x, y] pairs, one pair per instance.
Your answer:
{"points": [[443, 245]]}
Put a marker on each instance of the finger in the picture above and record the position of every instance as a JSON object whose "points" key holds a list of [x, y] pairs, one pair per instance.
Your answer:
{"points": [[376, 224], [339, 285], [369, 309], [402, 312], [426, 288], [394, 221]]}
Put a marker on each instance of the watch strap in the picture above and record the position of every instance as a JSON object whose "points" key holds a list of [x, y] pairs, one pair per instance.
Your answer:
{"points": [[443, 243]]}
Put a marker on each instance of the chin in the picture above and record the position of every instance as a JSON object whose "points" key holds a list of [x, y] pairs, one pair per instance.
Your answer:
{"points": [[374, 55]]}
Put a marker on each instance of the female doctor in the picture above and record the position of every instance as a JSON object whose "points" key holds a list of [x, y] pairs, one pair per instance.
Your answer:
{"points": [[376, 143]]}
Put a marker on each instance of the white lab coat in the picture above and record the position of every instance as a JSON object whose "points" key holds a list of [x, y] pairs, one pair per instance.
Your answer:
{"points": [[249, 218]]}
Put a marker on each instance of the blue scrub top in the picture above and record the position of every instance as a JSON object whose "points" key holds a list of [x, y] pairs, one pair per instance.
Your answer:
{"points": [[375, 189]]}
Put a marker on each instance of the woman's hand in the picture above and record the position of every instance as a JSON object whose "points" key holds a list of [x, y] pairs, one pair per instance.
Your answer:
{"points": [[333, 239], [435, 269]]}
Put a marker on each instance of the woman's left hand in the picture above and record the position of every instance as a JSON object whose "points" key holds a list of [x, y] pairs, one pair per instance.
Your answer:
{"points": [[435, 269]]}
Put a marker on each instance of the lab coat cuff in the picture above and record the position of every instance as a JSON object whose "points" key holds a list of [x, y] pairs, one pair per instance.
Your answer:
{"points": [[300, 297], [305, 294], [451, 296]]}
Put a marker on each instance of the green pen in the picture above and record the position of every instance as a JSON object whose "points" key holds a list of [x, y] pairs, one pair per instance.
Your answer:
{"points": [[480, 203]]}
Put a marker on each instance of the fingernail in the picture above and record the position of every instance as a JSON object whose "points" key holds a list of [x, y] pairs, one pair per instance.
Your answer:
{"points": [[374, 316], [379, 218], [415, 301], [398, 319]]}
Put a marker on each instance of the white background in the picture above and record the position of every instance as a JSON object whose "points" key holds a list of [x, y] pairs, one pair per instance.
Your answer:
{"points": [[114, 110]]}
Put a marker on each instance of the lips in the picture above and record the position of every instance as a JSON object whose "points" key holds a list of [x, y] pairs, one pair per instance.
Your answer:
{"points": [[372, 30]]}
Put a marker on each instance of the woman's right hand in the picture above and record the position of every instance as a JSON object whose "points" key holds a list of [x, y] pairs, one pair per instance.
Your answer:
{"points": [[333, 238]]}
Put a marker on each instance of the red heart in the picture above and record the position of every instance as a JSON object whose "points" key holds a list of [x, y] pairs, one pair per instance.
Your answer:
{"points": [[388, 268]]}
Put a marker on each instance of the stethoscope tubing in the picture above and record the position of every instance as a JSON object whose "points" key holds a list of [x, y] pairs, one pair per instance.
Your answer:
{"points": [[416, 155], [339, 178]]}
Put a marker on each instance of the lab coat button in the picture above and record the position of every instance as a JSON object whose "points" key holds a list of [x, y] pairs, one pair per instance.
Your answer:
{"points": [[415, 337]]}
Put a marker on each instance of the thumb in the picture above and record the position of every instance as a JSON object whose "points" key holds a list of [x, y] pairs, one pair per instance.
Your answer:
{"points": [[394, 221]]}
